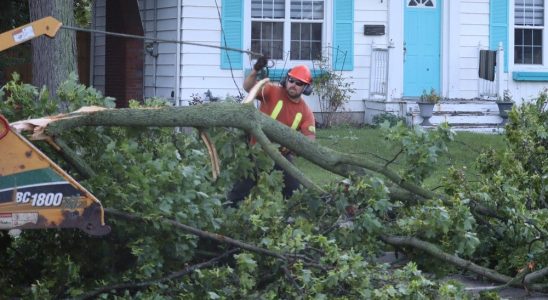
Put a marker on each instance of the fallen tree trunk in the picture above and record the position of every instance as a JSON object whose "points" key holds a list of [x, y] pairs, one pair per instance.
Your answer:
{"points": [[244, 117]]}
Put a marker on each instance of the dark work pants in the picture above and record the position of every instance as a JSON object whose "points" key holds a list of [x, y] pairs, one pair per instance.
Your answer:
{"points": [[242, 188]]}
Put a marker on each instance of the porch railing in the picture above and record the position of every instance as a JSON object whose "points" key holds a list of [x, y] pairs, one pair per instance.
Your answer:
{"points": [[378, 75], [492, 89]]}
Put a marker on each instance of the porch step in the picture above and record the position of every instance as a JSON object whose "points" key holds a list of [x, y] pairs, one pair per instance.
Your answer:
{"points": [[479, 128], [462, 115]]}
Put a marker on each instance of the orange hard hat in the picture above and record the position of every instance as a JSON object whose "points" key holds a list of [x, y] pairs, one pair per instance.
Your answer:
{"points": [[302, 73]]}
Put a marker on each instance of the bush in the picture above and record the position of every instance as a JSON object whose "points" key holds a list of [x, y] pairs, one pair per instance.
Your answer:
{"points": [[333, 91]]}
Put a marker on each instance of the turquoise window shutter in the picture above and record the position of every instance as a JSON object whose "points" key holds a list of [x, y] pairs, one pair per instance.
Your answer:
{"points": [[343, 35], [498, 27], [232, 21]]}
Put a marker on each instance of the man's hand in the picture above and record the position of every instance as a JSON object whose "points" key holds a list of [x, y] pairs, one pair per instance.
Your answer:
{"points": [[261, 63]]}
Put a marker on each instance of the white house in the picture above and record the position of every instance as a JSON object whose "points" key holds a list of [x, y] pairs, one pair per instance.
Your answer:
{"points": [[391, 50]]}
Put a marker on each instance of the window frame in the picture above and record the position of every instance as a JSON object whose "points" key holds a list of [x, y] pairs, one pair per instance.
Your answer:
{"points": [[512, 40], [286, 62]]}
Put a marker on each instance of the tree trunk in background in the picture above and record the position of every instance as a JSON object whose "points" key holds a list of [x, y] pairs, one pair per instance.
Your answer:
{"points": [[53, 59]]}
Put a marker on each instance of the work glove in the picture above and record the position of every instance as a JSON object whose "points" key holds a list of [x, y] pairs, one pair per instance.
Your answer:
{"points": [[260, 63]]}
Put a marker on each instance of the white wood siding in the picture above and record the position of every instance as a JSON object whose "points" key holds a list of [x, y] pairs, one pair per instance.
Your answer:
{"points": [[201, 69], [367, 12], [474, 30]]}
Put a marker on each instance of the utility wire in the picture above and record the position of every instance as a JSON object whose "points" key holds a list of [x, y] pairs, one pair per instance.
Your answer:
{"points": [[155, 39], [139, 37]]}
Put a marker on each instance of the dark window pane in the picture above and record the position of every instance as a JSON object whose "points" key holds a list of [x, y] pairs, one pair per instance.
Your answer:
{"points": [[305, 50], [266, 31], [310, 34], [267, 48], [277, 50], [537, 37], [256, 46], [295, 50], [518, 56], [317, 32], [255, 30], [518, 37], [528, 37], [537, 55], [316, 50], [305, 32], [278, 31], [527, 55], [295, 31]]}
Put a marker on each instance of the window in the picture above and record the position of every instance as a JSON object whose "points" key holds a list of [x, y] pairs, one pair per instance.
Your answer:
{"points": [[421, 3], [528, 31], [295, 27]]}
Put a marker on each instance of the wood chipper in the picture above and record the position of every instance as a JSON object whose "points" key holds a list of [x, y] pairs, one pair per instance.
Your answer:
{"points": [[35, 193]]}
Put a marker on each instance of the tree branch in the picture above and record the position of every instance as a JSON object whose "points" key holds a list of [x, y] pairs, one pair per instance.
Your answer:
{"points": [[212, 151], [291, 279], [535, 276], [145, 284], [394, 158], [205, 234], [81, 166], [459, 262], [278, 158]]}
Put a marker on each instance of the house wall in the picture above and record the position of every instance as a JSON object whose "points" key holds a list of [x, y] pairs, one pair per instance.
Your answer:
{"points": [[201, 65], [473, 33], [366, 13], [200, 69], [465, 25]]}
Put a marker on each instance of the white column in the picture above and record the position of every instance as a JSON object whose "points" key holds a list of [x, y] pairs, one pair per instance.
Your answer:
{"points": [[450, 49], [395, 50], [500, 70]]}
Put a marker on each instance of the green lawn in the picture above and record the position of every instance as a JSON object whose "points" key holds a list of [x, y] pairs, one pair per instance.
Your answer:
{"points": [[370, 144]]}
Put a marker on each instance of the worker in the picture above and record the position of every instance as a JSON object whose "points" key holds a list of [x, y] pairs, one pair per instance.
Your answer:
{"points": [[283, 102]]}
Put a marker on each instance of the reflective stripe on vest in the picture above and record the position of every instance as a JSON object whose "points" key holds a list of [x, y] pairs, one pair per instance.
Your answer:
{"points": [[297, 121], [277, 109]]}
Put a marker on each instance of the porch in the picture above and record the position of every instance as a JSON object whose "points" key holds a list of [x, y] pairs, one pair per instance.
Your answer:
{"points": [[479, 114]]}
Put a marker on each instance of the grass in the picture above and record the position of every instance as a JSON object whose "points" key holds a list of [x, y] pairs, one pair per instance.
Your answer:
{"points": [[370, 144]]}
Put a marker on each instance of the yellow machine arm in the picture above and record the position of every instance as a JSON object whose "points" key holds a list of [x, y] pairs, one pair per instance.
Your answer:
{"points": [[46, 26]]}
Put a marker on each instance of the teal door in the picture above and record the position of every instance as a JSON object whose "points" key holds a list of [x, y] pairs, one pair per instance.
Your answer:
{"points": [[422, 44]]}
